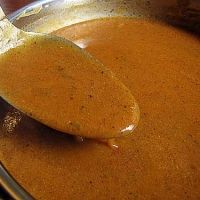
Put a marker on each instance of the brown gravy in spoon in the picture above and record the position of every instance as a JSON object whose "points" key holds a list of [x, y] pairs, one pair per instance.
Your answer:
{"points": [[58, 84], [161, 160]]}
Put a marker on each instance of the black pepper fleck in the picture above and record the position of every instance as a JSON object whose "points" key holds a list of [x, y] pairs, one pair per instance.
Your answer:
{"points": [[82, 107], [60, 68]]}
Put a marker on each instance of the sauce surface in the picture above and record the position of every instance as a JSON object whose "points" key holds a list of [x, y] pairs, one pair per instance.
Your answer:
{"points": [[54, 82], [161, 160]]}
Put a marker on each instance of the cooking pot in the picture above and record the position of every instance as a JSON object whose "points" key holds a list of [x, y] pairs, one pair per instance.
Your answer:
{"points": [[48, 15]]}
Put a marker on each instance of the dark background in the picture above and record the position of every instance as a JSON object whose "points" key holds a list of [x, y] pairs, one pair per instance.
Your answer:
{"points": [[10, 6]]}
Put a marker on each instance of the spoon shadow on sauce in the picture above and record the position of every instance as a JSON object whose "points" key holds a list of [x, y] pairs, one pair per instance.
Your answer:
{"points": [[57, 83]]}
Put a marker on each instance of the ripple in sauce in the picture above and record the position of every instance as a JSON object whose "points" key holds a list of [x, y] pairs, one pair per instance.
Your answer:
{"points": [[160, 65], [54, 82]]}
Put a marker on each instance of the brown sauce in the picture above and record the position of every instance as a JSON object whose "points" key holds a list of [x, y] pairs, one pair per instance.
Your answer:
{"points": [[161, 160]]}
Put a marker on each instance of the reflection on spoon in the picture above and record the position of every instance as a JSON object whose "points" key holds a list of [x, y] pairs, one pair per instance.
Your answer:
{"points": [[83, 43], [11, 120]]}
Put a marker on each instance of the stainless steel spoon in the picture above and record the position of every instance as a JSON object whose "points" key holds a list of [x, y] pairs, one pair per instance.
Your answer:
{"points": [[10, 36], [58, 90]]}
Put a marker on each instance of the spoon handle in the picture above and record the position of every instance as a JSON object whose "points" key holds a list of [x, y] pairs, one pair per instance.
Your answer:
{"points": [[10, 36], [2, 14], [11, 186]]}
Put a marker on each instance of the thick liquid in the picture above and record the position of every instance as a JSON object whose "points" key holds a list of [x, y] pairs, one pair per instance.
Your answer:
{"points": [[161, 160], [54, 82]]}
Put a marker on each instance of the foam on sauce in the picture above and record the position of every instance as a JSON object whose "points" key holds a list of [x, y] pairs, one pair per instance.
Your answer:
{"points": [[160, 65]]}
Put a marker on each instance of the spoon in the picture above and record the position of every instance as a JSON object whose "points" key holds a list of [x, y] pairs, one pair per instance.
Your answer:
{"points": [[55, 82]]}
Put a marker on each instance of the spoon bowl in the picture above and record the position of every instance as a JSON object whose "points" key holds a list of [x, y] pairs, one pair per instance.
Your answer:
{"points": [[59, 84]]}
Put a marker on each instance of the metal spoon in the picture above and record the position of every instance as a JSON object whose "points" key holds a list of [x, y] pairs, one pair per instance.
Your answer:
{"points": [[71, 91]]}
